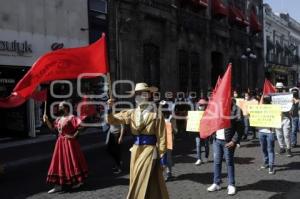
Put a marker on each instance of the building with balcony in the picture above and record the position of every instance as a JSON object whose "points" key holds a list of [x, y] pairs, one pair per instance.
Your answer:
{"points": [[184, 45], [281, 40]]}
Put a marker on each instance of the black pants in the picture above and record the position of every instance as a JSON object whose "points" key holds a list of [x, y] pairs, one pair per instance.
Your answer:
{"points": [[114, 148]]}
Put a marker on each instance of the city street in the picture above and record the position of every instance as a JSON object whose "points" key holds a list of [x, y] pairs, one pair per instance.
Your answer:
{"points": [[190, 182]]}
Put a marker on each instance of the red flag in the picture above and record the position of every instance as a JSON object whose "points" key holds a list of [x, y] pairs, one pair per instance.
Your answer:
{"points": [[268, 89], [217, 84], [13, 100], [218, 111], [66, 63], [40, 96]]}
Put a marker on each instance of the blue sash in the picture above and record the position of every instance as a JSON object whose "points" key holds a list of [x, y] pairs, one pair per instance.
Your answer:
{"points": [[145, 140]]}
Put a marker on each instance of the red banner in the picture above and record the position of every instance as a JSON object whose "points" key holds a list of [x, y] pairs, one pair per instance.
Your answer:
{"points": [[62, 64], [218, 111]]}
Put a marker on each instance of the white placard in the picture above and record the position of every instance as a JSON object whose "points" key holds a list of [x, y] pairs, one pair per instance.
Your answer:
{"points": [[284, 100]]}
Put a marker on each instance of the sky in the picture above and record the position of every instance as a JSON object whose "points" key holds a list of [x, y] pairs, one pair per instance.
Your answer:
{"points": [[286, 6]]}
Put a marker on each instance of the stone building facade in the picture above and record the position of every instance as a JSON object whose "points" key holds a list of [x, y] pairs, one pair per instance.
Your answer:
{"points": [[184, 45], [282, 42]]}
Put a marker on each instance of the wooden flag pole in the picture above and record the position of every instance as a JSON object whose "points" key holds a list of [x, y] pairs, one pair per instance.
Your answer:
{"points": [[45, 108], [109, 86]]}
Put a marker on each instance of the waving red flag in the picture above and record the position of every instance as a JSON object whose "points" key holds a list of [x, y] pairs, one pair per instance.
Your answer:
{"points": [[61, 64], [218, 111], [268, 89]]}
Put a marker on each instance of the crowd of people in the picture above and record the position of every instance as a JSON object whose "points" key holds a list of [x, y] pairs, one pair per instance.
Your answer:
{"points": [[154, 127]]}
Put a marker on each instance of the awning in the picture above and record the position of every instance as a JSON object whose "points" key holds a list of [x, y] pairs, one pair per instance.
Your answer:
{"points": [[238, 16], [256, 27], [200, 3], [219, 9]]}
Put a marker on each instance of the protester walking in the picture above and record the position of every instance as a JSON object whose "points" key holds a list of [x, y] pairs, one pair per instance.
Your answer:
{"points": [[171, 129], [295, 118], [149, 129], [283, 133], [267, 143], [114, 141], [68, 165], [225, 142], [202, 104]]}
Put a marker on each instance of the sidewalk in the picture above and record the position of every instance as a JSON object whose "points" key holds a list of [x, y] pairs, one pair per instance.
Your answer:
{"points": [[14, 154]]}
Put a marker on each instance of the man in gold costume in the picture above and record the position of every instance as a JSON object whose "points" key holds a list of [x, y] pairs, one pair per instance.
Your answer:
{"points": [[148, 127]]}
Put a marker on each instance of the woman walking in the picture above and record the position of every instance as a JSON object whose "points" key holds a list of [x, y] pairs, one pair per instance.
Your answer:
{"points": [[148, 127], [68, 165]]}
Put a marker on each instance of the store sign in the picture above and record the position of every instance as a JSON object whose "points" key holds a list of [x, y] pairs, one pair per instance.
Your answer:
{"points": [[7, 81], [20, 48]]}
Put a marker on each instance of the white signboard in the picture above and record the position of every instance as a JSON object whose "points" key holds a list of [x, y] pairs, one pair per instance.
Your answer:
{"points": [[284, 100]]}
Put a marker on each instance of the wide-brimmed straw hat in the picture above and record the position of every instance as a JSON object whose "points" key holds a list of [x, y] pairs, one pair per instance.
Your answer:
{"points": [[140, 87], [279, 85]]}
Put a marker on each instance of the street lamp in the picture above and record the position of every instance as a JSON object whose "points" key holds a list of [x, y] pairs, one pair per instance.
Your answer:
{"points": [[248, 55]]}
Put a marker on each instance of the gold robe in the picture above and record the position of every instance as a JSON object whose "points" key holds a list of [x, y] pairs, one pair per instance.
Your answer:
{"points": [[146, 177]]}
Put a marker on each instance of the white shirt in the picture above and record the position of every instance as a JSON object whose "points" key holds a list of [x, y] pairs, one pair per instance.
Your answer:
{"points": [[221, 134]]}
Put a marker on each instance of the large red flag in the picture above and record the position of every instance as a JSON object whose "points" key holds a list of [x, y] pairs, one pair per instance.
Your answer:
{"points": [[268, 89], [218, 111], [61, 64]]}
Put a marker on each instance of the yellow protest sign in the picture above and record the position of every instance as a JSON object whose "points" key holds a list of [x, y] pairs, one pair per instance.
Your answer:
{"points": [[265, 115], [193, 121]]}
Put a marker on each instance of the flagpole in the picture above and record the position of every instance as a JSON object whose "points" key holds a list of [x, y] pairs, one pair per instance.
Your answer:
{"points": [[45, 108], [109, 86]]}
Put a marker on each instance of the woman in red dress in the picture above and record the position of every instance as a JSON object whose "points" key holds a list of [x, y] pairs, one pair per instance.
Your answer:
{"points": [[68, 165]]}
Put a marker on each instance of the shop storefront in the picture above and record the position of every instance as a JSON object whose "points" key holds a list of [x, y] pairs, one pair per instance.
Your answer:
{"points": [[14, 122], [284, 74], [23, 41]]}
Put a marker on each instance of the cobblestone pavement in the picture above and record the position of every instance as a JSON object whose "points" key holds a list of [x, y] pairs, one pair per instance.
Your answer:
{"points": [[190, 181]]}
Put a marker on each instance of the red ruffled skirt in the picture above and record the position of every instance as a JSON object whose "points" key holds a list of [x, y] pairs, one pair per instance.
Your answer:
{"points": [[68, 165]]}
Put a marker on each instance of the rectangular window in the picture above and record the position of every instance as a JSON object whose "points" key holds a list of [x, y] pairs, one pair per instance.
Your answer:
{"points": [[183, 70], [151, 69], [195, 72], [98, 6]]}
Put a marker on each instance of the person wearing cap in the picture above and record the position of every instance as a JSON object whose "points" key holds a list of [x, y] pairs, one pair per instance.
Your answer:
{"points": [[202, 104], [283, 133], [149, 129]]}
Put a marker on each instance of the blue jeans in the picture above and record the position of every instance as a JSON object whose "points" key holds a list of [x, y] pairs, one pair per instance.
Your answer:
{"points": [[295, 130], [219, 151], [247, 126], [267, 142], [198, 147]]}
